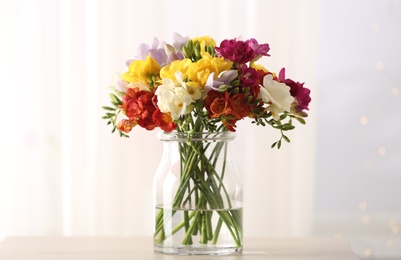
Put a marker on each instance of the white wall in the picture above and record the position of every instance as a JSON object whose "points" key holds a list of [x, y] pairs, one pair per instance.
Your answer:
{"points": [[63, 173], [358, 174]]}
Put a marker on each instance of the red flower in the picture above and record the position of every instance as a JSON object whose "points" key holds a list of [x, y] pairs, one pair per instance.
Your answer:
{"points": [[164, 121], [229, 109], [146, 119], [217, 104], [140, 107], [239, 105]]}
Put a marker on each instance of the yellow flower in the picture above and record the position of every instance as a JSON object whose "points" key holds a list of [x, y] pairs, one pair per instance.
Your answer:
{"points": [[260, 67], [205, 40], [142, 71], [221, 63], [199, 71], [169, 71]]}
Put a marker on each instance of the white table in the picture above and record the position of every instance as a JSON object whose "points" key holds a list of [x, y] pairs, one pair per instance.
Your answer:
{"points": [[124, 248]]}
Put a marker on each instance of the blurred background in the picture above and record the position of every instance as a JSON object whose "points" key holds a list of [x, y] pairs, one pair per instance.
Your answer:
{"points": [[63, 173]]}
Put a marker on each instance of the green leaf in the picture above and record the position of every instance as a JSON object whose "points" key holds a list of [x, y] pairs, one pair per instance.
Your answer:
{"points": [[283, 116], [286, 138], [279, 144], [108, 108], [114, 98], [110, 114], [300, 119], [273, 145], [119, 93], [287, 127]]}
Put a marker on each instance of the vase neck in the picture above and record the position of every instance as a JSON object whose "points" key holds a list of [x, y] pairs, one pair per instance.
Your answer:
{"points": [[196, 136]]}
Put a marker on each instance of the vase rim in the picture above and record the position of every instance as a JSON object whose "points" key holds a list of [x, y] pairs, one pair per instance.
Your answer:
{"points": [[195, 136]]}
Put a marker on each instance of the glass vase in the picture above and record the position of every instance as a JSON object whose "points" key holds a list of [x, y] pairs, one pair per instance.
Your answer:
{"points": [[197, 196]]}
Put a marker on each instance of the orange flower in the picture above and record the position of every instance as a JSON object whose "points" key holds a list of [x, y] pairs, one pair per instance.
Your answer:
{"points": [[240, 106], [126, 125], [163, 120], [217, 104]]}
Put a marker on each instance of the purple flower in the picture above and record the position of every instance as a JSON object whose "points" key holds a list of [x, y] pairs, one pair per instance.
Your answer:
{"points": [[222, 82], [259, 49], [297, 90], [156, 51], [249, 76], [179, 41], [237, 51]]}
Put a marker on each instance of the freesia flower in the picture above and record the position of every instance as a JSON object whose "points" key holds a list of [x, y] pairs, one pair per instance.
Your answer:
{"points": [[199, 71], [216, 85], [179, 41], [173, 97], [142, 71], [126, 125], [138, 106], [249, 76], [205, 40], [277, 95], [169, 70], [298, 91], [222, 82], [259, 49], [163, 120], [156, 51], [173, 55], [237, 51], [119, 84]]}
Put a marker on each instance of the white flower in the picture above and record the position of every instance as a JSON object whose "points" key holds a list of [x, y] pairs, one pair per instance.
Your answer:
{"points": [[173, 97], [119, 84], [277, 95], [191, 87]]}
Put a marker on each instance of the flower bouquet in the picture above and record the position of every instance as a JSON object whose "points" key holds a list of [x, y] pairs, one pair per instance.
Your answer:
{"points": [[195, 91]]}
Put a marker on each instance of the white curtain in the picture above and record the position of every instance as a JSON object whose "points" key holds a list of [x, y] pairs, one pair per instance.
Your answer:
{"points": [[61, 170]]}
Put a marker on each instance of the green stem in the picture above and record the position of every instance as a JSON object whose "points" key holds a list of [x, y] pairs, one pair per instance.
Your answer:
{"points": [[217, 231], [200, 181], [209, 229], [190, 229]]}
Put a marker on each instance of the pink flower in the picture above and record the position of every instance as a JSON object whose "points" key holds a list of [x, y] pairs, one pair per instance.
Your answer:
{"points": [[237, 51], [242, 52], [259, 49], [300, 94], [249, 76]]}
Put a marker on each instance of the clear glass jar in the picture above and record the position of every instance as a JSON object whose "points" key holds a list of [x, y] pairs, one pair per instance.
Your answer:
{"points": [[197, 196]]}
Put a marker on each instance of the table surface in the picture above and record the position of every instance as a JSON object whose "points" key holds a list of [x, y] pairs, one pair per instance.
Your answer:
{"points": [[124, 248]]}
